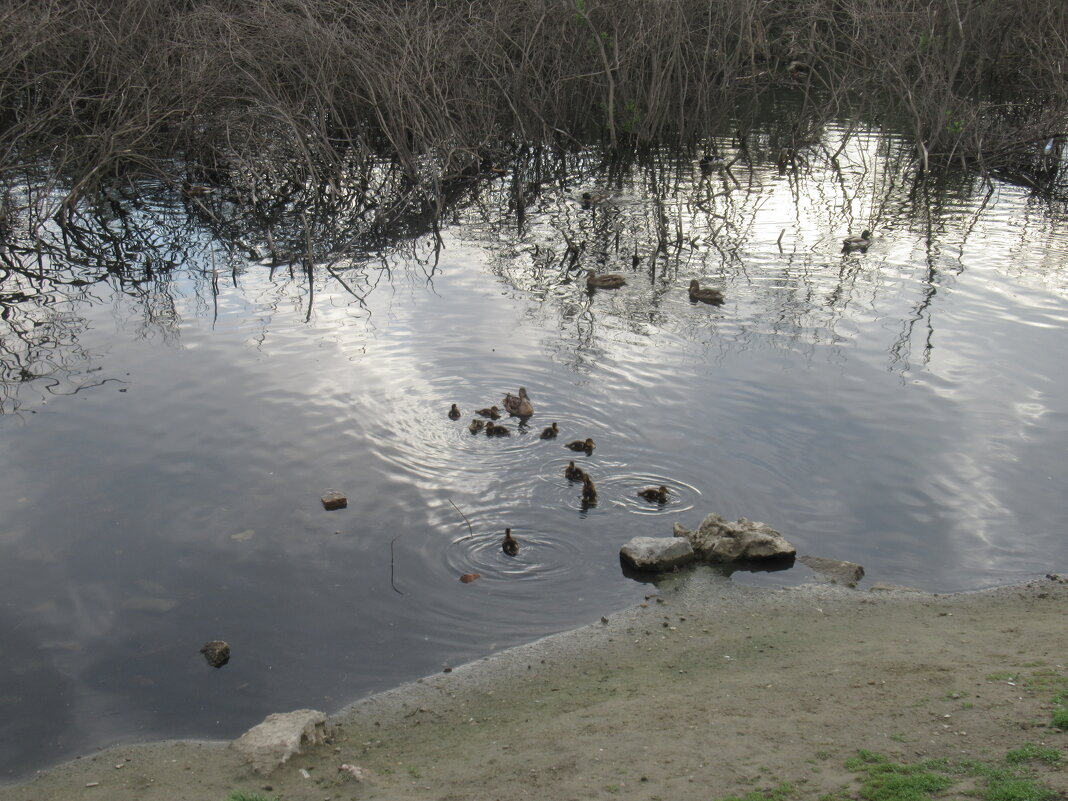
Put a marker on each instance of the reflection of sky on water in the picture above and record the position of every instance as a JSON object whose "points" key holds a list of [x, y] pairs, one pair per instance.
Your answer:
{"points": [[904, 408]]}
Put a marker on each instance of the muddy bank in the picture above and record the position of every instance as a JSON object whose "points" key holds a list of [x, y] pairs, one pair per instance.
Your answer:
{"points": [[706, 690]]}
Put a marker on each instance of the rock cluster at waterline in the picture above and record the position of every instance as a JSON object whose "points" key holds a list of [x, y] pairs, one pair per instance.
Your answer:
{"points": [[720, 540], [281, 735]]}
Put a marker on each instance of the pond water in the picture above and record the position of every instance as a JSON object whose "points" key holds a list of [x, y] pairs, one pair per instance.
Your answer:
{"points": [[166, 443]]}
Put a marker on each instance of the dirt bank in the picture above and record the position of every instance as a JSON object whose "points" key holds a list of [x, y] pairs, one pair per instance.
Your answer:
{"points": [[707, 690]]}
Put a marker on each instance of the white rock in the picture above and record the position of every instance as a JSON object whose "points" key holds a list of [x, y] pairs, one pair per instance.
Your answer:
{"points": [[719, 540], [656, 554], [281, 735]]}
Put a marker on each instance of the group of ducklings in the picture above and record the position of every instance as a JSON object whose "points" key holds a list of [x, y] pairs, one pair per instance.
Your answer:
{"points": [[521, 407]]}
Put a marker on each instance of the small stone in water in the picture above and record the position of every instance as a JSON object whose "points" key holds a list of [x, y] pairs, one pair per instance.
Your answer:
{"points": [[334, 500], [216, 652]]}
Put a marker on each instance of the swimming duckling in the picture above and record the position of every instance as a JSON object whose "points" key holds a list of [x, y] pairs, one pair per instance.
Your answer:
{"points": [[799, 70], [655, 494], [493, 413], [861, 243], [592, 198], [572, 473], [476, 426], [589, 492], [494, 430], [510, 545], [550, 432], [581, 445], [707, 295], [454, 412], [709, 163], [518, 405], [604, 281]]}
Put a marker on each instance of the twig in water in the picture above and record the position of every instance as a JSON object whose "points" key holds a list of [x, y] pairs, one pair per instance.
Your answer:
{"points": [[457, 508], [391, 584]]}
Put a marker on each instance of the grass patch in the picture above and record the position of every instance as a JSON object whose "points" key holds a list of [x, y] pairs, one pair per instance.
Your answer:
{"points": [[780, 793], [883, 780], [237, 795]]}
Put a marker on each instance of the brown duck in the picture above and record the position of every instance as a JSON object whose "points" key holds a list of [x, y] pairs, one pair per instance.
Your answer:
{"points": [[655, 494], [859, 243], [604, 280], [581, 445], [476, 426], [572, 473], [518, 405], [494, 430], [454, 412], [493, 413], [708, 295], [510, 545], [550, 432], [589, 492]]}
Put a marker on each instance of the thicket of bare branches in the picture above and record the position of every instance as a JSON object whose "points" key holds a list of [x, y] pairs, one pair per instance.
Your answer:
{"points": [[95, 87]]}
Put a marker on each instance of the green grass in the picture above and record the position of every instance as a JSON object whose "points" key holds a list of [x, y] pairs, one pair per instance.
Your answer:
{"points": [[883, 780], [780, 793], [237, 795]]}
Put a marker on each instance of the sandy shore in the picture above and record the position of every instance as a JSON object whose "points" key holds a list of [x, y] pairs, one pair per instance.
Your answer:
{"points": [[707, 690]]}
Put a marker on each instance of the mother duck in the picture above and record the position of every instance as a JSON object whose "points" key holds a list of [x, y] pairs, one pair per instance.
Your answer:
{"points": [[518, 405]]}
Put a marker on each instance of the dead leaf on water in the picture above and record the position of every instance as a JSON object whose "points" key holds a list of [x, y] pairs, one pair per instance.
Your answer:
{"points": [[243, 536], [467, 578]]}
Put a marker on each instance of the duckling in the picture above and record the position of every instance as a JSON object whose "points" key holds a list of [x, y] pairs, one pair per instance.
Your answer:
{"points": [[581, 445], [589, 492], [494, 430], [709, 163], [572, 473], [707, 295], [454, 412], [518, 405], [592, 198], [656, 494], [493, 413], [550, 432], [476, 426], [604, 281], [510, 545], [799, 70], [861, 243]]}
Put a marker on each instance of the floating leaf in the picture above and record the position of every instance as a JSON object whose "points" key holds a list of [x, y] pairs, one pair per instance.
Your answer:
{"points": [[243, 536], [467, 578]]}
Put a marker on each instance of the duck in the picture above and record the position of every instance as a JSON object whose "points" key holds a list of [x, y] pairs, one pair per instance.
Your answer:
{"points": [[494, 430], [510, 545], [476, 426], [572, 473], [582, 445], [550, 432], [707, 295], [493, 413], [518, 405], [454, 412], [657, 494], [861, 243], [604, 281], [799, 70], [591, 198], [589, 492], [710, 162]]}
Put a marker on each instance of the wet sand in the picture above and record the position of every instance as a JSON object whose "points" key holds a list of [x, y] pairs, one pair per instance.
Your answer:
{"points": [[707, 690]]}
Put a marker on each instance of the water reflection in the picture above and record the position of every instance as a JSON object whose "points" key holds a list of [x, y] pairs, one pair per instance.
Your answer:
{"points": [[182, 382]]}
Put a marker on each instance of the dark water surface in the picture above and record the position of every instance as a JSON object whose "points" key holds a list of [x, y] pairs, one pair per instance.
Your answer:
{"points": [[906, 409]]}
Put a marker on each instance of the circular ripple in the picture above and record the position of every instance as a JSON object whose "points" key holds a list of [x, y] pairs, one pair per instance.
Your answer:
{"points": [[543, 555]]}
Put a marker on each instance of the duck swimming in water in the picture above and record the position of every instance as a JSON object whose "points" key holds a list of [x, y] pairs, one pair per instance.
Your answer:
{"points": [[550, 432], [706, 295], [572, 473], [655, 494], [589, 492], [494, 430], [454, 412], [593, 198], [493, 413], [581, 445], [510, 545], [518, 405], [604, 281], [860, 243], [476, 426]]}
